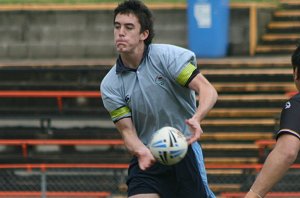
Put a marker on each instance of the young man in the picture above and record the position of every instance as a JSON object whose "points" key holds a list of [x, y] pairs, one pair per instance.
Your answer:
{"points": [[149, 87], [288, 141]]}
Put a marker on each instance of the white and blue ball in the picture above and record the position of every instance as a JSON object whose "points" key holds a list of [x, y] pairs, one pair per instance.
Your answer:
{"points": [[168, 145]]}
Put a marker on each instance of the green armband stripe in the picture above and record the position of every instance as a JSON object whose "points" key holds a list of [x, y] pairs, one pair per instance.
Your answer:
{"points": [[186, 74], [119, 112]]}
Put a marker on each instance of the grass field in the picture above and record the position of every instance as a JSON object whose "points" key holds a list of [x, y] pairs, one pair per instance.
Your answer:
{"points": [[105, 1]]}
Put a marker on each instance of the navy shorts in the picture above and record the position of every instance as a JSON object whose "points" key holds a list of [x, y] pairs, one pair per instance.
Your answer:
{"points": [[176, 181]]}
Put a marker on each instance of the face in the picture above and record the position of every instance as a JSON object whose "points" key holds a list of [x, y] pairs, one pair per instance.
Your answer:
{"points": [[127, 35]]}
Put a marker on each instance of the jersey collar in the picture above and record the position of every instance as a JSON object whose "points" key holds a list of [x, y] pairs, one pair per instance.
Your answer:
{"points": [[123, 68]]}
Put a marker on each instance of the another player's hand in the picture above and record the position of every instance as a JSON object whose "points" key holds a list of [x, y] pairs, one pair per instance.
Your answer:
{"points": [[145, 159], [195, 128]]}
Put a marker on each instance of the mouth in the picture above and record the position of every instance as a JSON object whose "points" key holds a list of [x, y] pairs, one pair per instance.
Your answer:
{"points": [[121, 44], [120, 41]]}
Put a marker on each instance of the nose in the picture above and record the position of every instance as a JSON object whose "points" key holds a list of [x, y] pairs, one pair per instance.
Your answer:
{"points": [[122, 31]]}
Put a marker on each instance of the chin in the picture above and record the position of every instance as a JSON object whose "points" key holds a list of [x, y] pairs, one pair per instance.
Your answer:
{"points": [[121, 50]]}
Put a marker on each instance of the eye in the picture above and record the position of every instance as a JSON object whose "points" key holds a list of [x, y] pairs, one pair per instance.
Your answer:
{"points": [[117, 26], [129, 27]]}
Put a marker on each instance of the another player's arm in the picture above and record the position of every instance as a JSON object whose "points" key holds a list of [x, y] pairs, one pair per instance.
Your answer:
{"points": [[284, 153], [207, 98], [277, 163], [134, 144]]}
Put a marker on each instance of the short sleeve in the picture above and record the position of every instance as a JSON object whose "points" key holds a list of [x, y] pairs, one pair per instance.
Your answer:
{"points": [[182, 65], [114, 102], [188, 72], [290, 118]]}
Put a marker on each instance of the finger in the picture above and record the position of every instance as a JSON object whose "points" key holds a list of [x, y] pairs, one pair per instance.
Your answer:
{"points": [[187, 138], [142, 167], [192, 139]]}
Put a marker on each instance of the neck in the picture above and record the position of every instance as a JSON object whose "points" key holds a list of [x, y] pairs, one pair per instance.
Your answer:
{"points": [[133, 59]]}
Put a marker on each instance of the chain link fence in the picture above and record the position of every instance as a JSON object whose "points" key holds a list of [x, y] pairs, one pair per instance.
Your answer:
{"points": [[72, 181], [110, 182]]}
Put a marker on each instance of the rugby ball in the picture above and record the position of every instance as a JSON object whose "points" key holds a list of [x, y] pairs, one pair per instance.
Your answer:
{"points": [[168, 145]]}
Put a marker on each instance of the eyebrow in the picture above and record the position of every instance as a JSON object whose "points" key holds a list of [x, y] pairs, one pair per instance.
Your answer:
{"points": [[126, 24]]}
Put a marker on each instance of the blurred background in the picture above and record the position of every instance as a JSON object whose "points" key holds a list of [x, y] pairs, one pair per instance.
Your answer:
{"points": [[57, 139]]}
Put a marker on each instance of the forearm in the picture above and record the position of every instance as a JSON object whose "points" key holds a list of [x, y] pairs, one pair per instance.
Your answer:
{"points": [[134, 145], [266, 178], [207, 96], [207, 99], [131, 141], [278, 162]]}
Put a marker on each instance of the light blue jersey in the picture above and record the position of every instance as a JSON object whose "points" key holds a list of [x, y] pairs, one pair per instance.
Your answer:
{"points": [[154, 95]]}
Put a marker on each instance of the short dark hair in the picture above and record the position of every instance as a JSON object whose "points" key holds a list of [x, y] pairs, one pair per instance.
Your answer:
{"points": [[142, 12], [296, 60]]}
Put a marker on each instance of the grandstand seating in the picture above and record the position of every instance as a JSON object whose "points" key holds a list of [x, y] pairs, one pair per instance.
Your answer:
{"points": [[283, 31], [243, 115]]}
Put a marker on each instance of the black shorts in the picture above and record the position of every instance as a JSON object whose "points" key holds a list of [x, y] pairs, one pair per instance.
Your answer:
{"points": [[176, 181]]}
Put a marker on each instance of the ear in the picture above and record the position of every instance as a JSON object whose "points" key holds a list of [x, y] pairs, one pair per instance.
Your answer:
{"points": [[144, 35]]}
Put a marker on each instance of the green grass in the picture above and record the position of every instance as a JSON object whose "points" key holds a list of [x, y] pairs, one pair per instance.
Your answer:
{"points": [[105, 1]]}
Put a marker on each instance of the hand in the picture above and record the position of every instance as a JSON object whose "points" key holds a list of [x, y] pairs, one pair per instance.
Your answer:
{"points": [[195, 128], [145, 159]]}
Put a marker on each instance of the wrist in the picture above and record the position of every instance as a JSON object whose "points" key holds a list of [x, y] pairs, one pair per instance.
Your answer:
{"points": [[197, 118], [141, 151]]}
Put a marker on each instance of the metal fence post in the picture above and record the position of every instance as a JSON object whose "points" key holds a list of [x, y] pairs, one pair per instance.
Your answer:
{"points": [[43, 184]]}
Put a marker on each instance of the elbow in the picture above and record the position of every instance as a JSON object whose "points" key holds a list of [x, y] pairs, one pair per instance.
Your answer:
{"points": [[288, 156], [291, 156], [215, 94], [287, 148]]}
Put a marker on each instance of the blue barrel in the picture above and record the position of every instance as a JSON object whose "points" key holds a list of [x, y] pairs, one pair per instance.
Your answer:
{"points": [[208, 24]]}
